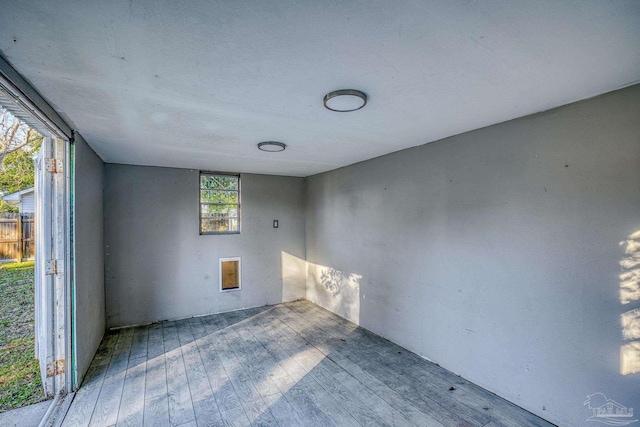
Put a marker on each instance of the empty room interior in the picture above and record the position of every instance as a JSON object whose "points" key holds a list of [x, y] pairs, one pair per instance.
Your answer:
{"points": [[411, 213]]}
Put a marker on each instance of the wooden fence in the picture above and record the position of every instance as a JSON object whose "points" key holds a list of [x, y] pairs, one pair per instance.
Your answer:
{"points": [[17, 237]]}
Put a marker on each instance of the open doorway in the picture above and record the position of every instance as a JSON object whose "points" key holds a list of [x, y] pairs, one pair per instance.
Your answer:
{"points": [[35, 340], [20, 380]]}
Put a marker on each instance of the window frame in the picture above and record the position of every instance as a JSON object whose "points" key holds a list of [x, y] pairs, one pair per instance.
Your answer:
{"points": [[200, 203]]}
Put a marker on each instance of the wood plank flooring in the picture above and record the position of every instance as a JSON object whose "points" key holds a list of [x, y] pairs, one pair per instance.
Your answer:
{"points": [[292, 364]]}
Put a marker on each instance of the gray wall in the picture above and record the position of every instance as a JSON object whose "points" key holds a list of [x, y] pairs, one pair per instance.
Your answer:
{"points": [[159, 267], [28, 203], [89, 254], [495, 253]]}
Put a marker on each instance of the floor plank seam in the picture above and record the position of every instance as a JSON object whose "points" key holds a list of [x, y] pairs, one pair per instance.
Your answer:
{"points": [[288, 364]]}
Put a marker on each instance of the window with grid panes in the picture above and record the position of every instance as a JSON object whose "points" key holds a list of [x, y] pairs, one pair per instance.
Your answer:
{"points": [[219, 203]]}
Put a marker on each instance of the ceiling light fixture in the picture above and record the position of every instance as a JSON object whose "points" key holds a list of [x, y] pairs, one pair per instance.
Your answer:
{"points": [[345, 100], [271, 146]]}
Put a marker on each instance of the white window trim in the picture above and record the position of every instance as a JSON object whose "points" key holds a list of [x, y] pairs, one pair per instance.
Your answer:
{"points": [[220, 233]]}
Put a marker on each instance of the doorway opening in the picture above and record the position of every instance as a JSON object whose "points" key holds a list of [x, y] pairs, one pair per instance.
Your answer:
{"points": [[36, 362], [20, 381]]}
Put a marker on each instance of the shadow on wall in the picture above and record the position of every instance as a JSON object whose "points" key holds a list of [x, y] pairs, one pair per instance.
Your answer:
{"points": [[335, 290], [630, 293], [332, 289]]}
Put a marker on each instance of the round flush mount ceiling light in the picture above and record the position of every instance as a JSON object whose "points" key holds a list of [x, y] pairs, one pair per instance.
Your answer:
{"points": [[345, 100], [271, 146]]}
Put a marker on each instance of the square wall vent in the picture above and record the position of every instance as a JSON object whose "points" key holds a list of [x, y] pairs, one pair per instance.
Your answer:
{"points": [[230, 274]]}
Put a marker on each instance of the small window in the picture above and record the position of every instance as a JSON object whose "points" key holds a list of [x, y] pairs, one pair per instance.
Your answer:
{"points": [[219, 203], [230, 274]]}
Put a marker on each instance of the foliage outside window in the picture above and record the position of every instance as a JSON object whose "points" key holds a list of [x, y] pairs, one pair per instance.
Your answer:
{"points": [[18, 144], [219, 204]]}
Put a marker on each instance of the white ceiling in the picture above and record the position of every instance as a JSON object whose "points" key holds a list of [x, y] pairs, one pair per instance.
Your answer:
{"points": [[198, 84]]}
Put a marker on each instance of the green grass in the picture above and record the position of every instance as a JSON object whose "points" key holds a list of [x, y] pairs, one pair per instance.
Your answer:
{"points": [[20, 383], [27, 265]]}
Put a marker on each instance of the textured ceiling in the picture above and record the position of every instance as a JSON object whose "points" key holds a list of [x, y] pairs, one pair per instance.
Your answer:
{"points": [[198, 84]]}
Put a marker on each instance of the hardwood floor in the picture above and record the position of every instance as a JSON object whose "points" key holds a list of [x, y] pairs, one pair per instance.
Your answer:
{"points": [[292, 364]]}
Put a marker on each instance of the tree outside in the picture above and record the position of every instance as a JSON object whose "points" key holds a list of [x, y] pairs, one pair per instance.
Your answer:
{"points": [[18, 144]]}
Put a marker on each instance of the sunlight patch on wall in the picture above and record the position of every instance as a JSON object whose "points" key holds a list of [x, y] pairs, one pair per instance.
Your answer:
{"points": [[294, 277], [631, 324], [630, 286], [335, 290], [328, 287], [629, 293], [630, 358], [630, 279]]}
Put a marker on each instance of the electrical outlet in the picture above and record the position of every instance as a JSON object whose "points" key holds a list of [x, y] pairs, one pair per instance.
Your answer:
{"points": [[275, 223]]}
